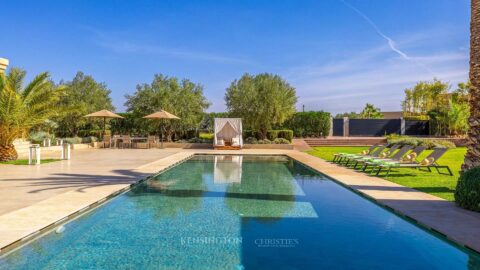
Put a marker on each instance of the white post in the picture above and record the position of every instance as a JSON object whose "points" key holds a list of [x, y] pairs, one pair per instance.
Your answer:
{"points": [[402, 126], [37, 154], [47, 142], [59, 141], [66, 151], [34, 154], [30, 155]]}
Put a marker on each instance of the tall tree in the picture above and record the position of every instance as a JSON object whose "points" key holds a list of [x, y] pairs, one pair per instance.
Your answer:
{"points": [[424, 97], [472, 159], [261, 101], [83, 95], [371, 112], [22, 108], [183, 98]]}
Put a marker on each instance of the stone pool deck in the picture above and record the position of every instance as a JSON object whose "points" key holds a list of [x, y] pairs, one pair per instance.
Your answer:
{"points": [[36, 198]]}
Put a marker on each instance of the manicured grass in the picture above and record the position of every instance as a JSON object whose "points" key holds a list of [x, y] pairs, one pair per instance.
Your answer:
{"points": [[25, 161], [439, 185], [203, 135]]}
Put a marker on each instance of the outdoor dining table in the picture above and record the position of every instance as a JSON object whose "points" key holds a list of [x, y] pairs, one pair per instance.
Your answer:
{"points": [[119, 138]]}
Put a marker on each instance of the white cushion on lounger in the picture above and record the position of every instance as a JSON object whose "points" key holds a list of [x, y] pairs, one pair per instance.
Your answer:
{"points": [[235, 142], [220, 142]]}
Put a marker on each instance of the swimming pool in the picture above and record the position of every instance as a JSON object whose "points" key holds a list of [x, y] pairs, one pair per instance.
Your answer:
{"points": [[240, 212]]}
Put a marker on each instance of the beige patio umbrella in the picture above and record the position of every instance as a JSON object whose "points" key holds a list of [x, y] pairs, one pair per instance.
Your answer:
{"points": [[104, 114], [161, 115]]}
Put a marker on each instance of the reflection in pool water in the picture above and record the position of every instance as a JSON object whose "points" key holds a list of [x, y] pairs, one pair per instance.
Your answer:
{"points": [[234, 212]]}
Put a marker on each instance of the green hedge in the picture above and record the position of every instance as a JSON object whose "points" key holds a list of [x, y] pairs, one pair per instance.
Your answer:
{"points": [[272, 135], [286, 134], [414, 141], [467, 193], [309, 124]]}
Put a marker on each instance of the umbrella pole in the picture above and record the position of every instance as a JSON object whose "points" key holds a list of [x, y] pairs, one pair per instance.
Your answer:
{"points": [[161, 134], [104, 124]]}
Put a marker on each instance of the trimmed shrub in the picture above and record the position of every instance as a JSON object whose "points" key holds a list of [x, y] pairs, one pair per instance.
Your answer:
{"points": [[467, 193], [286, 134], [309, 124], [417, 118], [251, 140], [73, 140], [38, 137], [272, 134], [443, 144], [250, 134], [89, 139], [91, 132], [266, 141], [198, 140], [281, 141], [413, 141]]}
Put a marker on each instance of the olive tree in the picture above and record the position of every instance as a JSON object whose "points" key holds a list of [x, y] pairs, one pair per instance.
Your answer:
{"points": [[262, 101], [182, 98], [83, 95]]}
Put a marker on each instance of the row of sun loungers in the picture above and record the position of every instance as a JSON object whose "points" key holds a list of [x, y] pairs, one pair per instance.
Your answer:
{"points": [[381, 158]]}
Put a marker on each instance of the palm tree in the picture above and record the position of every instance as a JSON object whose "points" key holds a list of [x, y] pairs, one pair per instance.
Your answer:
{"points": [[371, 112], [23, 108], [472, 159]]}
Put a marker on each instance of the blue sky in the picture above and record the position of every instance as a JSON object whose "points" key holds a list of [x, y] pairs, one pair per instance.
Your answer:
{"points": [[338, 55]]}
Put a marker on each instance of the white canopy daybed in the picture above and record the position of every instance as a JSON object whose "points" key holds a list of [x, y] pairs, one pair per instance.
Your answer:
{"points": [[228, 133]]}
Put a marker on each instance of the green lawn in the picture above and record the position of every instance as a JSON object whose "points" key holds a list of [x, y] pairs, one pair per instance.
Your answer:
{"points": [[25, 161], [436, 184]]}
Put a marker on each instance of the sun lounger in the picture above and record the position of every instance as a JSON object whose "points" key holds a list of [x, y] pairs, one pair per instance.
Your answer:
{"points": [[383, 155], [398, 157], [375, 153], [429, 162], [340, 156], [394, 156]]}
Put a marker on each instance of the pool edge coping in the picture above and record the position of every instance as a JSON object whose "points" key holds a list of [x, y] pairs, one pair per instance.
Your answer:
{"points": [[293, 154]]}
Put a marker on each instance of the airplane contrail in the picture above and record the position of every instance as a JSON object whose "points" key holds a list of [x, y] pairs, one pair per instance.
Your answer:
{"points": [[390, 41]]}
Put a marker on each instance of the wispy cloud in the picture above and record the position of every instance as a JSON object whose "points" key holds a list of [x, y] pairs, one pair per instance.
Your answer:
{"points": [[125, 46], [391, 43], [135, 48], [370, 76]]}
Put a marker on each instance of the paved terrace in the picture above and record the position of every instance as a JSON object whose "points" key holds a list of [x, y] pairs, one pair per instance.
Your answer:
{"points": [[35, 198]]}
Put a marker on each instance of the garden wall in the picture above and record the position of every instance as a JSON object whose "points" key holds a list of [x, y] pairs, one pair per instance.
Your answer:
{"points": [[379, 127]]}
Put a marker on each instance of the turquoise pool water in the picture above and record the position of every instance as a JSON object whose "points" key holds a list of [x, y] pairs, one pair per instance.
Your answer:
{"points": [[240, 212]]}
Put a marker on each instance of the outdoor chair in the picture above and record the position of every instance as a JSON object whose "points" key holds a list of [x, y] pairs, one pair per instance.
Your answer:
{"points": [[339, 156], [429, 162], [390, 155], [151, 141], [107, 140], [126, 141]]}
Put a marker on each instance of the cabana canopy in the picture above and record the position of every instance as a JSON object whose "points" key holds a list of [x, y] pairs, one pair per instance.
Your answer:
{"points": [[228, 133]]}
